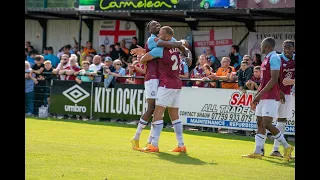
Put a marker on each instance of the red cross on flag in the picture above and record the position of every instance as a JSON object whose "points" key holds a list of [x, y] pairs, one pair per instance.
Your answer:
{"points": [[113, 31], [220, 40]]}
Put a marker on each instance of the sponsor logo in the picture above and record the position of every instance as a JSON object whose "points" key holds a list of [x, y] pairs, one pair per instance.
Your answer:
{"points": [[86, 8], [153, 93], [75, 94]]}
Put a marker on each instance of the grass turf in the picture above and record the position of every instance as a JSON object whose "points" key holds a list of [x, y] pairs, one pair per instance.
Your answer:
{"points": [[70, 149]]}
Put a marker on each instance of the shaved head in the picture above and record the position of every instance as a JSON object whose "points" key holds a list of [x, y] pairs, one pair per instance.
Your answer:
{"points": [[267, 45]]}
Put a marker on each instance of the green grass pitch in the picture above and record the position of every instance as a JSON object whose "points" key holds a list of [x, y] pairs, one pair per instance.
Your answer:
{"points": [[70, 149]]}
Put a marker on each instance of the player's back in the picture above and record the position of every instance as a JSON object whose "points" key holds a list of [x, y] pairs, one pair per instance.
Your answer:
{"points": [[274, 92], [152, 67], [287, 70], [169, 69]]}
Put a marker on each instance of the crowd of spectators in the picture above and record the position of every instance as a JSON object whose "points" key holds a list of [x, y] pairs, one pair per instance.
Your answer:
{"points": [[117, 65]]}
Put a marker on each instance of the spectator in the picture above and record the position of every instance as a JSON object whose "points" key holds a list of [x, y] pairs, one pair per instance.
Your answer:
{"points": [[85, 75], [89, 50], [119, 71], [207, 74], [108, 66], [235, 57], [184, 70], [213, 61], [27, 44], [46, 77], [257, 60], [254, 82], [103, 53], [197, 72], [45, 51], [244, 75], [72, 69], [134, 44], [51, 57], [111, 48], [39, 88], [82, 56], [96, 66], [30, 57], [132, 59], [89, 58], [28, 90], [249, 60], [38, 66], [60, 52], [224, 73], [138, 70], [117, 52], [30, 48], [66, 50], [123, 47], [64, 63]]}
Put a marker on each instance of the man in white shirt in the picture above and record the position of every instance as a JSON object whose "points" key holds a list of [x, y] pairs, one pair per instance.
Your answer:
{"points": [[95, 67]]}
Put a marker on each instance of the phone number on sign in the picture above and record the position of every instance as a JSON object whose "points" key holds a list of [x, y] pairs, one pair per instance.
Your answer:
{"points": [[233, 117]]}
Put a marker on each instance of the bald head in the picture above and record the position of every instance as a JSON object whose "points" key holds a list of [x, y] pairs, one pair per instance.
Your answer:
{"points": [[267, 45], [165, 33], [168, 30]]}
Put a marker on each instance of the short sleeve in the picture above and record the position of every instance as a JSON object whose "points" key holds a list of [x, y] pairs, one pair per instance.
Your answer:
{"points": [[185, 68], [275, 62], [155, 51], [122, 72]]}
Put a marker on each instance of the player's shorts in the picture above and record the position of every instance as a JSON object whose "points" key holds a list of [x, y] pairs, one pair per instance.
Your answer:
{"points": [[168, 97], [267, 107], [151, 88], [285, 110]]}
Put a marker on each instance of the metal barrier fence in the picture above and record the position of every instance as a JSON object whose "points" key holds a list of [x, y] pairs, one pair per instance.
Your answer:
{"points": [[41, 93]]}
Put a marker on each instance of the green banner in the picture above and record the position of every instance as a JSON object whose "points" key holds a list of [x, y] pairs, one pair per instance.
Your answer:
{"points": [[125, 101], [132, 5]]}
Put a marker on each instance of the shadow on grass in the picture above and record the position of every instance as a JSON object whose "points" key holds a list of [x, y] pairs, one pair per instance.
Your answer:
{"points": [[196, 133], [181, 158], [279, 161]]}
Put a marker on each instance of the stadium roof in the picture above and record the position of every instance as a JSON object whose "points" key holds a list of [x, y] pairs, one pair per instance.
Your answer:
{"points": [[237, 15]]}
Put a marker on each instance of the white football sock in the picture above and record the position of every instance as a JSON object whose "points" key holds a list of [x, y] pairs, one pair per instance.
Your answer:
{"points": [[259, 139], [281, 126], [178, 129], [158, 125], [282, 140], [142, 124], [150, 135], [264, 141]]}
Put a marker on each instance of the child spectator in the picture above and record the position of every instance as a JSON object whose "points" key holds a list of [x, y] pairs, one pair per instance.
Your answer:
{"points": [[84, 75], [244, 74], [254, 82]]}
